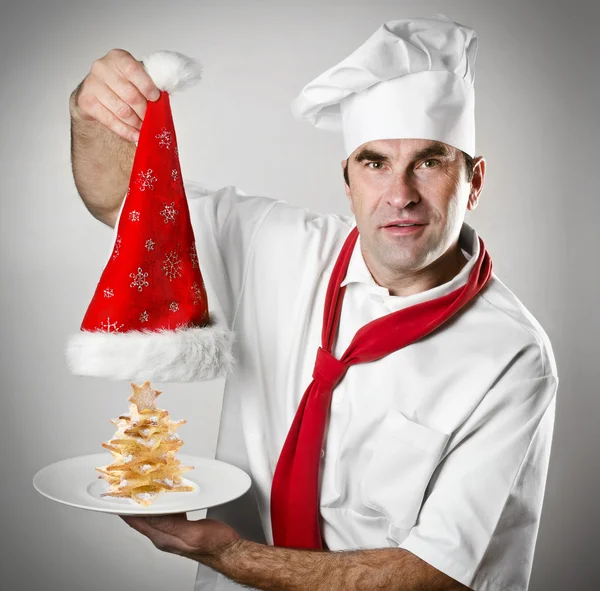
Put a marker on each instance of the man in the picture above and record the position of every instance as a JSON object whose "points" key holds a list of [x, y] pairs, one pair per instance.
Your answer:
{"points": [[417, 457]]}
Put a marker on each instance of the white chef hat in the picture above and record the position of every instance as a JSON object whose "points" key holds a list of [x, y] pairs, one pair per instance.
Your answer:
{"points": [[413, 78]]}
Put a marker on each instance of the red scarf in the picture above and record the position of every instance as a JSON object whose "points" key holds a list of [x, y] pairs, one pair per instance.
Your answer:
{"points": [[295, 489]]}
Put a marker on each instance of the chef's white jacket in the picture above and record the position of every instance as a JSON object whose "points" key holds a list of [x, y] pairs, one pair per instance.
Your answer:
{"points": [[440, 448]]}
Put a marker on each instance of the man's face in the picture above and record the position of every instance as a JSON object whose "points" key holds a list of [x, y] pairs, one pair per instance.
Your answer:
{"points": [[408, 181]]}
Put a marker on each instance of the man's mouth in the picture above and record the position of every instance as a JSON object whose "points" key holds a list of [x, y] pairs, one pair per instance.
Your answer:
{"points": [[404, 223], [401, 228]]}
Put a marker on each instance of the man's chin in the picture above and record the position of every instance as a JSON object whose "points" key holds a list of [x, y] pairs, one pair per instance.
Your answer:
{"points": [[399, 249], [407, 263]]}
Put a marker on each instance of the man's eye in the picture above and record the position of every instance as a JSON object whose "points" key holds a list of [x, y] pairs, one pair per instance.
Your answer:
{"points": [[431, 160], [375, 165]]}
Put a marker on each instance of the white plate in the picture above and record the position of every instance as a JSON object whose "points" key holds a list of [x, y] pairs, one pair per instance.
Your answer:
{"points": [[75, 482]]}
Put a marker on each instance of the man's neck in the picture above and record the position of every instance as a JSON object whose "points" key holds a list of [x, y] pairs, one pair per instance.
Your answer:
{"points": [[437, 273]]}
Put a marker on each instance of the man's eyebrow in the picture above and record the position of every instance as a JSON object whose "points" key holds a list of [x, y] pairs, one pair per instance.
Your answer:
{"points": [[436, 149], [368, 154]]}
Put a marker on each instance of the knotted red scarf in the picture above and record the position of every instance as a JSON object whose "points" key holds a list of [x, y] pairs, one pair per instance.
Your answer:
{"points": [[295, 488]]}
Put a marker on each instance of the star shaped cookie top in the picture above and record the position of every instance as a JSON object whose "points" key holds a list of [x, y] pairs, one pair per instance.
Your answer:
{"points": [[144, 396]]}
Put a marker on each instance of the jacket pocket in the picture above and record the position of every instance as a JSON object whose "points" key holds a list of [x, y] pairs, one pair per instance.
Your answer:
{"points": [[405, 456]]}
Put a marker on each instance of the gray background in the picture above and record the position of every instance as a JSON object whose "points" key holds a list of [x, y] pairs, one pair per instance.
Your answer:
{"points": [[536, 81]]}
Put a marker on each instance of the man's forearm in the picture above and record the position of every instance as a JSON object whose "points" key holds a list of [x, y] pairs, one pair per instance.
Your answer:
{"points": [[102, 163], [277, 569]]}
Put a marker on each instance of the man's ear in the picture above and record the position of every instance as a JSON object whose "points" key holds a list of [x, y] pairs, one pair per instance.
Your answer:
{"points": [[347, 186], [476, 182], [344, 175]]}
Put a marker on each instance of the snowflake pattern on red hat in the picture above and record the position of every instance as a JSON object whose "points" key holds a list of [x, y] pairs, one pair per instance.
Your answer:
{"points": [[152, 280]]}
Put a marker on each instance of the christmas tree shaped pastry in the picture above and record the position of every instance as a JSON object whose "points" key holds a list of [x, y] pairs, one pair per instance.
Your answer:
{"points": [[143, 449]]}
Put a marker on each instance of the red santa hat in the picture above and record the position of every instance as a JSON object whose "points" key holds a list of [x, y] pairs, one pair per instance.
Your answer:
{"points": [[149, 317]]}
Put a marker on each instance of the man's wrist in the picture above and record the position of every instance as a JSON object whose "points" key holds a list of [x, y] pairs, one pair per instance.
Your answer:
{"points": [[221, 558]]}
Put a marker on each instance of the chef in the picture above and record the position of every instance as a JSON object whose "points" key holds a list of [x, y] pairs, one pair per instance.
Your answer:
{"points": [[392, 399]]}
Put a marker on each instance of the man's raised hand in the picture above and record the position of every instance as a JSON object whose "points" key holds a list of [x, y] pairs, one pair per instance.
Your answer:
{"points": [[115, 93]]}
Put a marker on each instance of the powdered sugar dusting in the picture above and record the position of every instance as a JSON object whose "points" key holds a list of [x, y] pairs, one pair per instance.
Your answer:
{"points": [[146, 496]]}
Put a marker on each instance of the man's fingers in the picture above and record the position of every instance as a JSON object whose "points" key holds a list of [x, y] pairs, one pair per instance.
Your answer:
{"points": [[118, 107], [170, 524], [166, 542], [116, 93], [93, 107], [132, 98], [133, 71]]}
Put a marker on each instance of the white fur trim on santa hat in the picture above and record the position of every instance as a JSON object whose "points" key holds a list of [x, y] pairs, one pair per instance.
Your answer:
{"points": [[184, 355], [171, 71]]}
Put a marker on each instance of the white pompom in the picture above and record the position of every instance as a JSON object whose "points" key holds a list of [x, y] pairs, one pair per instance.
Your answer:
{"points": [[172, 71]]}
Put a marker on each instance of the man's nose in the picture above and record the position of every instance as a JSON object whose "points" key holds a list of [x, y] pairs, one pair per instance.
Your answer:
{"points": [[402, 191]]}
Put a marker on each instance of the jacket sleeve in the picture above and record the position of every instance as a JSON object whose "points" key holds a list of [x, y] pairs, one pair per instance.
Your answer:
{"points": [[481, 514]]}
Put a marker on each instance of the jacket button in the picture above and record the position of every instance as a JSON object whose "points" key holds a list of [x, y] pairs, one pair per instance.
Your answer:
{"points": [[322, 453]]}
